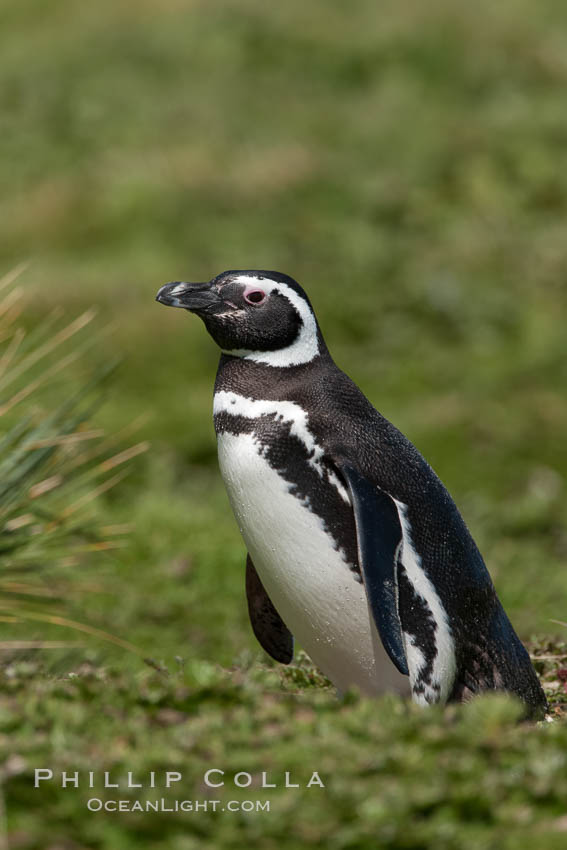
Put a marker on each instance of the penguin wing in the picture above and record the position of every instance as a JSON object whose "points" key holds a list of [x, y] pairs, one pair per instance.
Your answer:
{"points": [[379, 538], [271, 632]]}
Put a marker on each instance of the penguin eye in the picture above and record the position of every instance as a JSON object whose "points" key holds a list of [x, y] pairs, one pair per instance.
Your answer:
{"points": [[255, 296]]}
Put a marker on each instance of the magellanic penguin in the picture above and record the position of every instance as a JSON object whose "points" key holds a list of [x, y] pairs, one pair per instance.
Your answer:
{"points": [[355, 547]]}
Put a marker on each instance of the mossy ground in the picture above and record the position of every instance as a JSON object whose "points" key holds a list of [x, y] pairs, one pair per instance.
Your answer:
{"points": [[406, 163]]}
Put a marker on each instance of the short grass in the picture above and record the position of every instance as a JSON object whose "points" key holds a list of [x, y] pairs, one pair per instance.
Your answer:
{"points": [[394, 775], [405, 162]]}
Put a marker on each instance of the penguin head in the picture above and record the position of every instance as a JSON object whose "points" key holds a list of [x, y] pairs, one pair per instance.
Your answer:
{"points": [[261, 316]]}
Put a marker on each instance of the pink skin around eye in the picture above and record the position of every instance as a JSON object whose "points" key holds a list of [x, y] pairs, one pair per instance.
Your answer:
{"points": [[253, 295]]}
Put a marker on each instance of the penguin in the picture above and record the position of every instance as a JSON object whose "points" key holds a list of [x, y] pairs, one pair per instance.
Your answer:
{"points": [[355, 547]]}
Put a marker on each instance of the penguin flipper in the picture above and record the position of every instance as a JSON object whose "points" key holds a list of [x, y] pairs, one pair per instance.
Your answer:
{"points": [[270, 630], [379, 536]]}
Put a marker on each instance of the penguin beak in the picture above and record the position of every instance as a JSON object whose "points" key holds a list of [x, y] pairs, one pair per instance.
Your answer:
{"points": [[196, 297]]}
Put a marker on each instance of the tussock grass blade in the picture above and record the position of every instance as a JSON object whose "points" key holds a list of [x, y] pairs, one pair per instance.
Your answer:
{"points": [[58, 620], [50, 482], [11, 350], [47, 348], [26, 645], [41, 332], [10, 277]]}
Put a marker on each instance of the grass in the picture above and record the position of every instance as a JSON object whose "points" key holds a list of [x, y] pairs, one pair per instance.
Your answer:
{"points": [[53, 468], [395, 776], [407, 164]]}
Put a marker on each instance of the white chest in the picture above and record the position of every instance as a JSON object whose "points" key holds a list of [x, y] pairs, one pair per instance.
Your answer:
{"points": [[309, 582]]}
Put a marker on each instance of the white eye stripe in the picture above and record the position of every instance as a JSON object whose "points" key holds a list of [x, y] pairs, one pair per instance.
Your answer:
{"points": [[304, 349]]}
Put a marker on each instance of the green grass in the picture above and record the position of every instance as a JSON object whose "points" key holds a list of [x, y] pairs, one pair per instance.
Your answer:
{"points": [[394, 775], [408, 164]]}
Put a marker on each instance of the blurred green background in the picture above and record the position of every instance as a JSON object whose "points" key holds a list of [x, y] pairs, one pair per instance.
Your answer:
{"points": [[405, 162]]}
